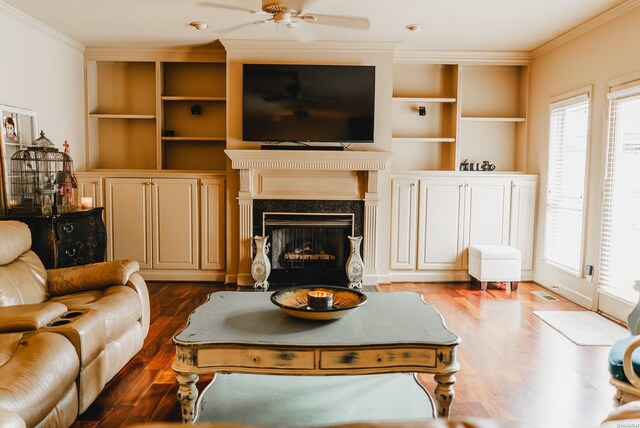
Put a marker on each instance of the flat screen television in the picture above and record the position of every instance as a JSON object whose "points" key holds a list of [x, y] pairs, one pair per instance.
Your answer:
{"points": [[307, 103]]}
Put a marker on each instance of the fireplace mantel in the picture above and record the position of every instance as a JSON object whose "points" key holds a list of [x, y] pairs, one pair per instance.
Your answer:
{"points": [[248, 162], [308, 160]]}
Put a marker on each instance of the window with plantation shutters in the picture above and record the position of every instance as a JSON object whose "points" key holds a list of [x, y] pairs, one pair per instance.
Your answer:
{"points": [[620, 240], [567, 159]]}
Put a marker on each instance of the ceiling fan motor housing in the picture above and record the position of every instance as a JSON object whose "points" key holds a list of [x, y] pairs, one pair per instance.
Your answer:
{"points": [[274, 6]]}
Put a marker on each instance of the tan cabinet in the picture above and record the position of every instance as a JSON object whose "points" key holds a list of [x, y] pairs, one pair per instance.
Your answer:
{"points": [[153, 221], [128, 207], [523, 209], [90, 185], [437, 216], [441, 212], [486, 212], [403, 223], [174, 212], [212, 212]]}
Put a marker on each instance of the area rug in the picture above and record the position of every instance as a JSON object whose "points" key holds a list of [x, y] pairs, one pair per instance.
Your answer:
{"points": [[584, 328]]}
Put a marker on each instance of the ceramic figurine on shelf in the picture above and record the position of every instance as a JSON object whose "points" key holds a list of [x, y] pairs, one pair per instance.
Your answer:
{"points": [[261, 266], [355, 265]]}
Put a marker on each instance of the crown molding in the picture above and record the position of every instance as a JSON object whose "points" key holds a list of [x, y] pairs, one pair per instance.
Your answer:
{"points": [[461, 57], [187, 53], [16, 14], [297, 46], [586, 26]]}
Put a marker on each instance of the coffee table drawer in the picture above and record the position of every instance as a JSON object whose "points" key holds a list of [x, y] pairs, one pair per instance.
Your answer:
{"points": [[370, 358], [255, 358]]}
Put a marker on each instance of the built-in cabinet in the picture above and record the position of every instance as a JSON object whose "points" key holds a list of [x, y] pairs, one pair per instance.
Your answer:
{"points": [[446, 114], [173, 224], [436, 217]]}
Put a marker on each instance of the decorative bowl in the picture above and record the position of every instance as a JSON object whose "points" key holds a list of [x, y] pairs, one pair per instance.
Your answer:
{"points": [[293, 301]]}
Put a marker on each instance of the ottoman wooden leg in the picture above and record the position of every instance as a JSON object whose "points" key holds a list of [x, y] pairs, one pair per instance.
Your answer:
{"points": [[514, 285], [483, 285]]}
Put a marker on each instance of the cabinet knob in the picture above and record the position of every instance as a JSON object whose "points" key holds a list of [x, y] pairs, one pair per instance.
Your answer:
{"points": [[68, 227]]}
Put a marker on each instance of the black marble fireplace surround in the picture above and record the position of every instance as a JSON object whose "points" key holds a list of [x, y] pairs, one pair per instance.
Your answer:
{"points": [[308, 239]]}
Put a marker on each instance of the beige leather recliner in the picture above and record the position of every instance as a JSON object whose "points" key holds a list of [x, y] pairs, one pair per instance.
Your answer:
{"points": [[64, 332]]}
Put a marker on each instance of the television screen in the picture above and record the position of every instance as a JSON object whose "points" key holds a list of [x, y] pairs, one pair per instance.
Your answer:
{"points": [[326, 103]]}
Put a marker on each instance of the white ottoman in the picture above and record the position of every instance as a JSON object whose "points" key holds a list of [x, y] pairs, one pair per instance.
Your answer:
{"points": [[494, 263]]}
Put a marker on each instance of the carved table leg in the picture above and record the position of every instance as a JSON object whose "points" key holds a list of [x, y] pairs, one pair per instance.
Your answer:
{"points": [[444, 393], [187, 396]]}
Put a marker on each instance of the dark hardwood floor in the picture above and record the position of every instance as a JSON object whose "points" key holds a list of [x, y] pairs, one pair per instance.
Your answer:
{"points": [[514, 366]]}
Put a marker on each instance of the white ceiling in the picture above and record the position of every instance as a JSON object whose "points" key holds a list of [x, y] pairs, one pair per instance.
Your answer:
{"points": [[509, 25]]}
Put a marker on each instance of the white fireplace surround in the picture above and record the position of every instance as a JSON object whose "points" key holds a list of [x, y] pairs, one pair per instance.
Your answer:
{"points": [[309, 175]]}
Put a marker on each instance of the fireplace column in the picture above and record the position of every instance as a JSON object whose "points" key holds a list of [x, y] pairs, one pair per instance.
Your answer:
{"points": [[245, 200], [371, 202]]}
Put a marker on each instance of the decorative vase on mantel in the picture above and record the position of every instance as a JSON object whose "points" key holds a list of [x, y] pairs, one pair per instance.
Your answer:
{"points": [[261, 266], [355, 265]]}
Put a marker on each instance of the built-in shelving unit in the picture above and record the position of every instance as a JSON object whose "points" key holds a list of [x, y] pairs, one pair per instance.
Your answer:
{"points": [[427, 140], [444, 114], [155, 110]]}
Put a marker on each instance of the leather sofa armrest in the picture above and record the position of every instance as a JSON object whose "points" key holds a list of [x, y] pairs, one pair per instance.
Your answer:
{"points": [[30, 317], [9, 419], [90, 277]]}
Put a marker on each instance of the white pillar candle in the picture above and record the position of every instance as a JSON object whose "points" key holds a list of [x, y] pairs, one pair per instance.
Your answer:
{"points": [[86, 202]]}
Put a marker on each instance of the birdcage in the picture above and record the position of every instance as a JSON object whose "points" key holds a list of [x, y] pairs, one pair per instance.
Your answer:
{"points": [[42, 179]]}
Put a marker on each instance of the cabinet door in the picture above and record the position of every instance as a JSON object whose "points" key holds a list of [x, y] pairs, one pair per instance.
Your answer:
{"points": [[441, 211], [487, 212], [523, 208], [129, 219], [212, 212], [175, 223], [403, 223], [91, 186]]}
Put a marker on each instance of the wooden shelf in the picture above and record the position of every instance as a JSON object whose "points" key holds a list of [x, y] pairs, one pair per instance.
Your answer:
{"points": [[194, 139], [180, 98], [491, 119], [423, 139], [424, 100], [121, 116]]}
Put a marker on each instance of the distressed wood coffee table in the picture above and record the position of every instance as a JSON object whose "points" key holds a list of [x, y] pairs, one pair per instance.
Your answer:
{"points": [[243, 332]]}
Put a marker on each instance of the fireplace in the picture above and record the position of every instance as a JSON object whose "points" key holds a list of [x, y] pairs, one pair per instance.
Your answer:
{"points": [[297, 176], [309, 239]]}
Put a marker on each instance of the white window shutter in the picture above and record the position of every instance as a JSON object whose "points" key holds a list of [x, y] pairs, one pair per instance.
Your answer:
{"points": [[567, 160]]}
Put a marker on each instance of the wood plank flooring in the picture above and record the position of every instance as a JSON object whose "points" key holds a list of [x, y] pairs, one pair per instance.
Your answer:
{"points": [[514, 366]]}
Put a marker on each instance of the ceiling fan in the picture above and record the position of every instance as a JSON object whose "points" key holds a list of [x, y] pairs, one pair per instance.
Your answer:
{"points": [[289, 13]]}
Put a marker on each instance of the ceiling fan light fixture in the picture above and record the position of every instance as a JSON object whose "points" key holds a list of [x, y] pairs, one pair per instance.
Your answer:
{"points": [[308, 18], [199, 25], [414, 27]]}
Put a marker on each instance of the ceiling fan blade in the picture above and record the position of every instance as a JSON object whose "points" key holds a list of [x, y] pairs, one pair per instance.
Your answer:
{"points": [[250, 7], [239, 26], [355, 22]]}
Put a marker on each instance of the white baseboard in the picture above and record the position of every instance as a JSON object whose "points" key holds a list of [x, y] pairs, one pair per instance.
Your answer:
{"points": [[182, 275], [440, 276]]}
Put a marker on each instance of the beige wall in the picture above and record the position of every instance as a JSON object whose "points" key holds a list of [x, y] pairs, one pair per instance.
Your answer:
{"points": [[604, 53], [42, 71], [379, 55]]}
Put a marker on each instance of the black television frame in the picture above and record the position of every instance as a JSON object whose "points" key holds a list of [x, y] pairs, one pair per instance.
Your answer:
{"points": [[248, 133]]}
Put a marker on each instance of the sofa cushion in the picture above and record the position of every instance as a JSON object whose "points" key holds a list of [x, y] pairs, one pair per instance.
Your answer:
{"points": [[90, 277], [23, 281], [120, 306], [38, 375], [616, 355], [16, 239]]}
